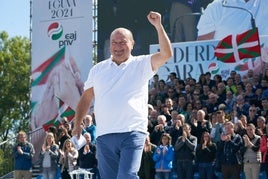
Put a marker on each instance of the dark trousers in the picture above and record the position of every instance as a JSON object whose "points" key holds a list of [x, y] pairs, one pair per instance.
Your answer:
{"points": [[206, 170], [185, 169], [231, 171]]}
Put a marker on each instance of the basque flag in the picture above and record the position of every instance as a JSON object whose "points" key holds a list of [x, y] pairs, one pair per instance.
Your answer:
{"points": [[233, 48]]}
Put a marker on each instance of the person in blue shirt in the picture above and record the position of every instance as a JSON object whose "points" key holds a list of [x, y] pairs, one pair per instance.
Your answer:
{"points": [[163, 157], [23, 152]]}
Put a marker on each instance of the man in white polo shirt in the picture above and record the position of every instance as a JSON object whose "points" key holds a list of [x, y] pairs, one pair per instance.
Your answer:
{"points": [[119, 86]]}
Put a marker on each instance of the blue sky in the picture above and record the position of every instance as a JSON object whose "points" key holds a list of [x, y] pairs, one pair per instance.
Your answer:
{"points": [[15, 17]]}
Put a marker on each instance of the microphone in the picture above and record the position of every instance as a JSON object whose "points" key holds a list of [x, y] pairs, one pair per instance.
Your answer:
{"points": [[253, 24]]}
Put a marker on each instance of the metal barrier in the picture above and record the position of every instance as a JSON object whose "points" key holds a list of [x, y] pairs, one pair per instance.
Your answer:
{"points": [[87, 174]]}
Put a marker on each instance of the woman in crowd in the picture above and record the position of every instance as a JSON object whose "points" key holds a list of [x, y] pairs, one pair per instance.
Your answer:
{"points": [[68, 159], [49, 157], [206, 155], [163, 157]]}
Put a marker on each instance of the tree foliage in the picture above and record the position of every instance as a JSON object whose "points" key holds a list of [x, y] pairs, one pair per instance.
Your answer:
{"points": [[15, 85]]}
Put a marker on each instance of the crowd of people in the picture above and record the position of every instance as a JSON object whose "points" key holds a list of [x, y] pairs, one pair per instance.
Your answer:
{"points": [[200, 126], [215, 125]]}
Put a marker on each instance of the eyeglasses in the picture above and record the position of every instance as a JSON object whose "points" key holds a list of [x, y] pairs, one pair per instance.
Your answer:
{"points": [[252, 110]]}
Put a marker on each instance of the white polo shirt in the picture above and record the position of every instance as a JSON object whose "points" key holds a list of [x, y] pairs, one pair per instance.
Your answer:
{"points": [[121, 94], [225, 21]]}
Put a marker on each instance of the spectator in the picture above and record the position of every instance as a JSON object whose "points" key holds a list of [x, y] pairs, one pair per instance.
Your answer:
{"points": [[185, 153], [147, 170], [49, 157], [87, 156], [216, 133], [252, 154], [206, 155], [62, 136], [261, 126], [229, 149], [264, 108], [210, 82], [252, 115], [163, 157], [231, 85], [203, 125], [176, 129], [171, 77], [213, 104], [152, 121], [159, 129], [174, 115], [23, 152], [241, 107], [68, 159], [239, 128], [90, 128], [264, 152], [229, 102]]}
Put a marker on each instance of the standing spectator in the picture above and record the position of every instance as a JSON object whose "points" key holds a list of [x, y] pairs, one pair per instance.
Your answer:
{"points": [[23, 152], [62, 136], [90, 128], [219, 126], [252, 115], [230, 152], [159, 129], [229, 102], [185, 153], [120, 104], [87, 156], [68, 159], [213, 104], [152, 120], [147, 170], [264, 109], [49, 157], [203, 125], [206, 155], [163, 157], [261, 126], [252, 154], [264, 153], [171, 78], [241, 107]]}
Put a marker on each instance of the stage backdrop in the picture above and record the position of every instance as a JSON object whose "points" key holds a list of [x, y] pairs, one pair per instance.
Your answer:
{"points": [[190, 59], [61, 57]]}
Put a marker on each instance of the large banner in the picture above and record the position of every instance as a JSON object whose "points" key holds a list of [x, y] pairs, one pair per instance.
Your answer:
{"points": [[61, 58], [190, 59]]}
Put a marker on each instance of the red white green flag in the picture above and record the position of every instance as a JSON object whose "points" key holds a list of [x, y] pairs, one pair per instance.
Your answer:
{"points": [[47, 66], [63, 111], [233, 48]]}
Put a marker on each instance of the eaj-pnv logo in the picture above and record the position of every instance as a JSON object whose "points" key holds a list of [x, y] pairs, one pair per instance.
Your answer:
{"points": [[55, 31], [213, 68]]}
